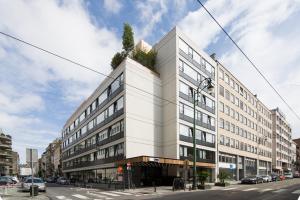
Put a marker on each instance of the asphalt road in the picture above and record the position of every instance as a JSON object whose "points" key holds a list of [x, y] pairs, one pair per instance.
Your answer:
{"points": [[282, 190]]}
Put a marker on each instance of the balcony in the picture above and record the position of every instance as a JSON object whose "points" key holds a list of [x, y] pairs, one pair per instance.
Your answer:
{"points": [[201, 105], [198, 123], [95, 162], [199, 142], [194, 82], [106, 121], [198, 159], [99, 107], [200, 67], [95, 146]]}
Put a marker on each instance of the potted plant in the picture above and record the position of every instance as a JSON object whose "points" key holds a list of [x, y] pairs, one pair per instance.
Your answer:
{"points": [[202, 176], [222, 177]]}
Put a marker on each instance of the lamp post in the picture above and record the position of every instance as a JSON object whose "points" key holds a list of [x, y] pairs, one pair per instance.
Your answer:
{"points": [[210, 87]]}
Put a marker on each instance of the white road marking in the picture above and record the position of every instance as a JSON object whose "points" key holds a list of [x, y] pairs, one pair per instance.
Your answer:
{"points": [[266, 190], [233, 188], [98, 195], [250, 189], [296, 192], [61, 198], [280, 190], [79, 196], [109, 194], [123, 193]]}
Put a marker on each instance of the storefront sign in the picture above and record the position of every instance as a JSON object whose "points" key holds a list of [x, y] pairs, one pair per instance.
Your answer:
{"points": [[227, 165]]}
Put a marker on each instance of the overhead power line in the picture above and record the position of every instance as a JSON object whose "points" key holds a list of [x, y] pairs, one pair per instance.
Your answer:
{"points": [[81, 65], [252, 63]]}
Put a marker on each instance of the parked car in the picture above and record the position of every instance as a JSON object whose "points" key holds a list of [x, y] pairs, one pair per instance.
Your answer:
{"points": [[275, 177], [15, 179], [36, 181], [266, 178], [5, 180], [63, 181], [288, 175], [252, 179], [50, 180], [296, 174]]}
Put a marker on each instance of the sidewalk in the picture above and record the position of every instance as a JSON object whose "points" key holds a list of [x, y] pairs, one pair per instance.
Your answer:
{"points": [[15, 194]]}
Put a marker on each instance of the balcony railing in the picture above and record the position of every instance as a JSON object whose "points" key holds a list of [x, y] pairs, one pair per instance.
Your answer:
{"points": [[200, 104], [95, 162], [198, 159], [199, 66], [110, 97], [199, 123], [106, 121], [193, 81], [94, 146], [199, 142]]}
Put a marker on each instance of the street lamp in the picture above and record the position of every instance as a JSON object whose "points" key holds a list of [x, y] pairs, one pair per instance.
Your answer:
{"points": [[209, 87]]}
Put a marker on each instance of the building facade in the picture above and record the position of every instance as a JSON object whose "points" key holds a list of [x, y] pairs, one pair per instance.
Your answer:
{"points": [[15, 163], [297, 161], [244, 131], [282, 142], [127, 119], [6, 158], [57, 158]]}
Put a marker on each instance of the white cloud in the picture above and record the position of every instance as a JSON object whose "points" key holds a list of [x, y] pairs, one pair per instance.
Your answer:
{"points": [[113, 6], [257, 28], [151, 13], [27, 74]]}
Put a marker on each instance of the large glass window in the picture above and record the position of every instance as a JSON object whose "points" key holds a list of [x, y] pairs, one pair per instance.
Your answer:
{"points": [[90, 125], [102, 97], [83, 130], [103, 135], [183, 46], [115, 129], [185, 130], [120, 103]]}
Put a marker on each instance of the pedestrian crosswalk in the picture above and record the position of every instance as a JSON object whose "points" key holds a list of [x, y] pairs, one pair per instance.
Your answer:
{"points": [[261, 190], [99, 195]]}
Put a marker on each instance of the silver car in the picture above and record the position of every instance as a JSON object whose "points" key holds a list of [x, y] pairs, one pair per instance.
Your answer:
{"points": [[36, 181], [267, 178]]}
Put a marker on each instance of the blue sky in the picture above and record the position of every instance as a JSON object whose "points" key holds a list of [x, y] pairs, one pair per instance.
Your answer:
{"points": [[38, 92]]}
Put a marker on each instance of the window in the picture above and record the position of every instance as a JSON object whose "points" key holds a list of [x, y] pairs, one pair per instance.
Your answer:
{"points": [[82, 116], [221, 124], [115, 129], [185, 130], [183, 151], [111, 110], [83, 130], [221, 90], [120, 103], [183, 46], [115, 85], [111, 151], [231, 83], [221, 74], [101, 154], [227, 110], [227, 95], [103, 135], [90, 125], [119, 149], [94, 105], [222, 139], [100, 118], [102, 97], [227, 126], [226, 78], [227, 141], [221, 107]]}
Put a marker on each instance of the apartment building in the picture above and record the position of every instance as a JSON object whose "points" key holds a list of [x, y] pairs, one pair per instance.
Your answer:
{"points": [[282, 142], [15, 163], [6, 162], [145, 117], [244, 131]]}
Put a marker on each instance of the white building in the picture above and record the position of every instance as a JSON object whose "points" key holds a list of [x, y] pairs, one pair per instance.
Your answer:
{"points": [[144, 118]]}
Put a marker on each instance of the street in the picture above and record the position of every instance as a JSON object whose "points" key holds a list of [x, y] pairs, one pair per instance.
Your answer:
{"points": [[282, 190]]}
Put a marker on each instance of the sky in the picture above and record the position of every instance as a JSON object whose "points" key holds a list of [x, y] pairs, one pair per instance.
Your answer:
{"points": [[38, 92]]}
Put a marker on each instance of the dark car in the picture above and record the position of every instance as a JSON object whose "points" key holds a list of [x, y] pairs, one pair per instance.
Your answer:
{"points": [[252, 179], [275, 177], [4, 180]]}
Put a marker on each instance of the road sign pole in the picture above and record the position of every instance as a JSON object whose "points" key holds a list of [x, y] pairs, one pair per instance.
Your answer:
{"points": [[31, 161]]}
